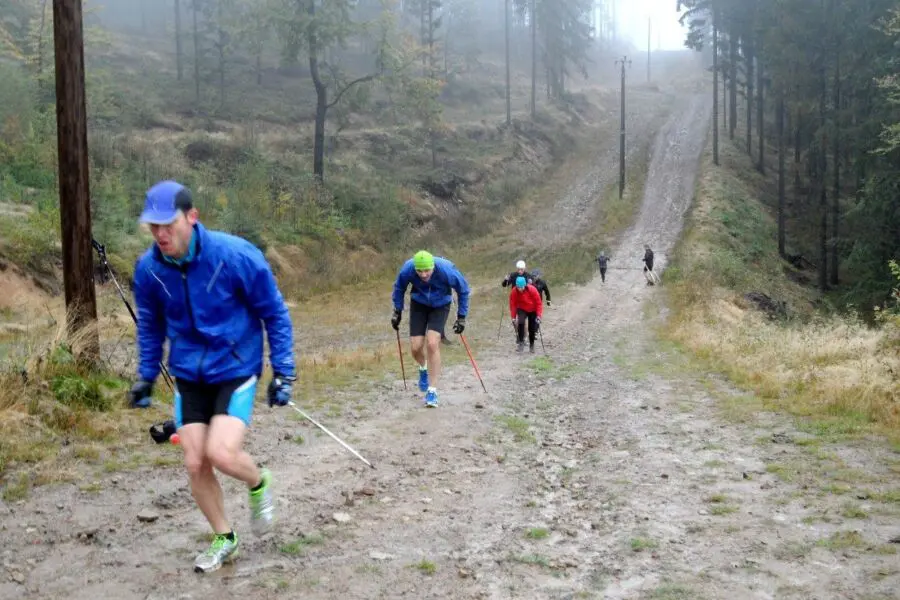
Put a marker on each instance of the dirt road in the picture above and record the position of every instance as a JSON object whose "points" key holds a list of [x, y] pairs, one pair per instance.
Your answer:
{"points": [[599, 471]]}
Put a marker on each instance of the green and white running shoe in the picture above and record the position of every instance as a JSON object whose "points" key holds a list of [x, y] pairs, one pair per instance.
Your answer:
{"points": [[219, 552], [262, 505]]}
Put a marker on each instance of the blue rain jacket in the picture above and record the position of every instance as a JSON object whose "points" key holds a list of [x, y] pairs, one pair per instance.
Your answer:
{"points": [[212, 309], [437, 291]]}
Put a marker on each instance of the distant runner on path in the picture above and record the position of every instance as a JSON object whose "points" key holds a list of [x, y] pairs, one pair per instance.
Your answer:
{"points": [[602, 261]]}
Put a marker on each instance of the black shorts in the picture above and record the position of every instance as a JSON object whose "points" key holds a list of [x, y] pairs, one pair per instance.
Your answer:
{"points": [[199, 402], [423, 318]]}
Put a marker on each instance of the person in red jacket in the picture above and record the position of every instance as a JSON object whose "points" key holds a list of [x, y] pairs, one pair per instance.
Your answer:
{"points": [[525, 304]]}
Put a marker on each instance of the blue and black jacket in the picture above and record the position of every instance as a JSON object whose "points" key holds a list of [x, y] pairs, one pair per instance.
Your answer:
{"points": [[437, 291], [212, 309]]}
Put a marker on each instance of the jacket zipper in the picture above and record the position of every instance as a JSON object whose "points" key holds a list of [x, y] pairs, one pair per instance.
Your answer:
{"points": [[190, 310]]}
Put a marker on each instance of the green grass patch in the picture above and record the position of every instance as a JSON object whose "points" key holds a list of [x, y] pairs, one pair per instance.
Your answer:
{"points": [[719, 510], [891, 496], [639, 544], [719, 505], [532, 559], [426, 566], [519, 427], [673, 591], [537, 533], [17, 489], [785, 472], [843, 540], [547, 368], [792, 551], [299, 546], [851, 510]]}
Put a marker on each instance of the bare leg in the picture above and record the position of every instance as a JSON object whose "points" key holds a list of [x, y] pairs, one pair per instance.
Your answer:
{"points": [[417, 345], [224, 449], [204, 486], [434, 357]]}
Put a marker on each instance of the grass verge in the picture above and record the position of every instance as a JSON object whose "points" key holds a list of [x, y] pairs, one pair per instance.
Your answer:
{"points": [[834, 371], [56, 413]]}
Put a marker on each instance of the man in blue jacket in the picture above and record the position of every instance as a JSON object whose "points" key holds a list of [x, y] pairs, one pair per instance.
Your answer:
{"points": [[432, 280], [210, 294]]}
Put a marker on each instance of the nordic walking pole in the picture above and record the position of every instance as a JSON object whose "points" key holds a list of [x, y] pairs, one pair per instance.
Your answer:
{"points": [[101, 252], [541, 334], [500, 326], [334, 437], [469, 352], [400, 352]]}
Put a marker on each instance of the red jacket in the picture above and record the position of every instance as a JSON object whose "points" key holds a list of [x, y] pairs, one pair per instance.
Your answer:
{"points": [[528, 300]]}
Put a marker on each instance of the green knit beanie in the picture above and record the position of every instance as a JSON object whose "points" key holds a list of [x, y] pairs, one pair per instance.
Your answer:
{"points": [[423, 261]]}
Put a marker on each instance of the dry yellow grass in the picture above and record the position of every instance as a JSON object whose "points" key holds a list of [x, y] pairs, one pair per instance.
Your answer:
{"points": [[833, 368], [54, 412]]}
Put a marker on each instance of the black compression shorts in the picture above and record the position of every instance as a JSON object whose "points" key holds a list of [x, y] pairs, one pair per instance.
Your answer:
{"points": [[200, 402], [423, 318]]}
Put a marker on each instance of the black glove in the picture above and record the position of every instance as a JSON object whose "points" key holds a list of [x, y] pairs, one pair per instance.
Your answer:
{"points": [[140, 393], [162, 432], [505, 281], [460, 325], [281, 390], [395, 319], [537, 323]]}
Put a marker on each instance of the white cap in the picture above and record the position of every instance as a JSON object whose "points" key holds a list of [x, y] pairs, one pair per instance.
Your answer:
{"points": [[520, 264]]}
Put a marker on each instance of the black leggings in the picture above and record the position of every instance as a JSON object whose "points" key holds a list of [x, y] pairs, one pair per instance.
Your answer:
{"points": [[521, 316]]}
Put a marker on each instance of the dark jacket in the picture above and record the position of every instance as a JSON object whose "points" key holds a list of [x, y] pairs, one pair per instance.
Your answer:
{"points": [[510, 280], [602, 260], [648, 258], [542, 288], [212, 310]]}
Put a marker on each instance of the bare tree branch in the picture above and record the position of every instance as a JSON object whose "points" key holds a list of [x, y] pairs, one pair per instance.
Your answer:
{"points": [[364, 79]]}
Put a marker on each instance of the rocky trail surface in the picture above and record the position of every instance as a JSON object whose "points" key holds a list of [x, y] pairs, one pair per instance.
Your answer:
{"points": [[599, 469]]}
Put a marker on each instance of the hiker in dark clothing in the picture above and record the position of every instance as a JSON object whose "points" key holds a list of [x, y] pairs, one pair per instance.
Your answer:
{"points": [[602, 261], [541, 285], [648, 265], [648, 258], [510, 280]]}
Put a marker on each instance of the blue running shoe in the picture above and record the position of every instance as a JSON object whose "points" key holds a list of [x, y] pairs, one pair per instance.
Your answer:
{"points": [[423, 379], [431, 399]]}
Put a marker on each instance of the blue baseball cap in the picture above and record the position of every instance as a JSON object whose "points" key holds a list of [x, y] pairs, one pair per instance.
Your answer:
{"points": [[520, 282], [163, 201]]}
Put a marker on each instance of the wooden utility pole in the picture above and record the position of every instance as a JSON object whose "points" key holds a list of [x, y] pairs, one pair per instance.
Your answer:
{"points": [[506, 31], [194, 8], [623, 61], [781, 150], [715, 68], [74, 191], [533, 17], [178, 53]]}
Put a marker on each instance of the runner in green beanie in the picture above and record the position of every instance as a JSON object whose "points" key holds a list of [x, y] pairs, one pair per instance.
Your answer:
{"points": [[433, 282], [423, 260]]}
